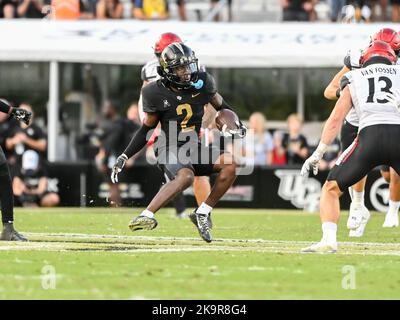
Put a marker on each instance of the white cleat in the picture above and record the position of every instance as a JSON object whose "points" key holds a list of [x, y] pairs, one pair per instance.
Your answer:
{"points": [[391, 220], [321, 247], [357, 216], [359, 232]]}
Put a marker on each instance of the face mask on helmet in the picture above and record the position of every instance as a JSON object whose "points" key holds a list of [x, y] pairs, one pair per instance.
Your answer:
{"points": [[180, 66], [184, 75]]}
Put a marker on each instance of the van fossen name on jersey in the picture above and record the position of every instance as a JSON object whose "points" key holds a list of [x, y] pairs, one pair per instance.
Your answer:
{"points": [[380, 70]]}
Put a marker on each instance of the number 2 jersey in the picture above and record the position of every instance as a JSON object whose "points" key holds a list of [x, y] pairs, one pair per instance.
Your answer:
{"points": [[179, 111], [367, 87]]}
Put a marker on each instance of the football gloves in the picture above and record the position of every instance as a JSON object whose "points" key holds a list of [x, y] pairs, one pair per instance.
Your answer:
{"points": [[313, 161], [240, 132], [21, 115], [117, 168]]}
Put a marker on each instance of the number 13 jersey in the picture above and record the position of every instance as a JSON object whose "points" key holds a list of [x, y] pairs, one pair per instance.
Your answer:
{"points": [[368, 87]]}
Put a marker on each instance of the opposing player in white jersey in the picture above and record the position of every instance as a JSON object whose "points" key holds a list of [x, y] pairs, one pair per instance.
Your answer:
{"points": [[359, 214], [369, 91], [201, 184]]}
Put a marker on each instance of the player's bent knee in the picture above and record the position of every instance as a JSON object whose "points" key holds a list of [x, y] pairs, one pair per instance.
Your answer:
{"points": [[228, 172], [185, 177], [331, 187]]}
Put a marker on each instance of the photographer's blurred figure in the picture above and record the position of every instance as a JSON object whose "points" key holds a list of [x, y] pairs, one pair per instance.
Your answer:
{"points": [[117, 134], [30, 183], [294, 142], [24, 137]]}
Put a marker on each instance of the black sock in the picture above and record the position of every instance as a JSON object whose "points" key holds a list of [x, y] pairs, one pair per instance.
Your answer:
{"points": [[6, 195]]}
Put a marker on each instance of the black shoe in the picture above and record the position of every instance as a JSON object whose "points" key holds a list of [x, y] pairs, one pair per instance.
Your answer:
{"points": [[10, 234], [143, 222], [192, 217], [203, 226]]}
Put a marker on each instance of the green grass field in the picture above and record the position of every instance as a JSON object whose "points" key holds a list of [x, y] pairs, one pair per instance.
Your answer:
{"points": [[255, 255]]}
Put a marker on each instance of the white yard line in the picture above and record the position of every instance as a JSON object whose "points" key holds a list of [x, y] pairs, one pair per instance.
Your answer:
{"points": [[156, 238], [63, 247], [254, 245]]}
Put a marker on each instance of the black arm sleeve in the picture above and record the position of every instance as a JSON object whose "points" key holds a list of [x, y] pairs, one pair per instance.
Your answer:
{"points": [[5, 106], [138, 141], [344, 82], [225, 105], [210, 86]]}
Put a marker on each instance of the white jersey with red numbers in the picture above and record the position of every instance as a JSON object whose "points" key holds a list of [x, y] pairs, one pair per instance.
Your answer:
{"points": [[368, 87]]}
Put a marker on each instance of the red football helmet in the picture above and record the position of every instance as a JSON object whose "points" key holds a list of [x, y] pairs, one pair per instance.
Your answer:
{"points": [[389, 36], [164, 41], [379, 49]]}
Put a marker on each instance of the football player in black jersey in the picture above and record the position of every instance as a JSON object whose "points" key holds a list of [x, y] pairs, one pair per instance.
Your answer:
{"points": [[177, 101], [6, 193], [201, 184]]}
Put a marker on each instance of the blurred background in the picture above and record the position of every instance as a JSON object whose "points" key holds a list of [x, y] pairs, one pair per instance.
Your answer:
{"points": [[77, 64]]}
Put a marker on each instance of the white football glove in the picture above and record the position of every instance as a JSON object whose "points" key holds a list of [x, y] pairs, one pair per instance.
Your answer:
{"points": [[313, 160], [394, 97], [117, 168], [240, 132]]}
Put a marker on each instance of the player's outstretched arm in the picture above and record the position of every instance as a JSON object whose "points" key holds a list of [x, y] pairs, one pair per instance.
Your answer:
{"points": [[332, 91], [331, 130], [137, 143]]}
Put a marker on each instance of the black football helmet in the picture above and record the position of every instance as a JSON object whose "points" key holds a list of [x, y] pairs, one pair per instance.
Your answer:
{"points": [[179, 65]]}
